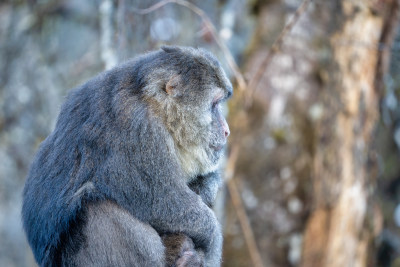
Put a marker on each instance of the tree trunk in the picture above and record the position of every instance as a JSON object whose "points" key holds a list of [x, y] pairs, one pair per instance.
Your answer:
{"points": [[339, 229]]}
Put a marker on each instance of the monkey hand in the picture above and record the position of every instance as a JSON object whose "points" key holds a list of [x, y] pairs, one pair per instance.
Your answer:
{"points": [[188, 214], [180, 251]]}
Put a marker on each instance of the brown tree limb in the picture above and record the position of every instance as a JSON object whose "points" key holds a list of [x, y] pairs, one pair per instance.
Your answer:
{"points": [[239, 208], [276, 46]]}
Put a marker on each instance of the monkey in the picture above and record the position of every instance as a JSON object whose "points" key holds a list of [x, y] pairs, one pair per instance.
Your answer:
{"points": [[133, 158]]}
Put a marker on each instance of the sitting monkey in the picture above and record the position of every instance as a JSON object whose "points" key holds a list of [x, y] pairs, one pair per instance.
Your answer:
{"points": [[133, 157]]}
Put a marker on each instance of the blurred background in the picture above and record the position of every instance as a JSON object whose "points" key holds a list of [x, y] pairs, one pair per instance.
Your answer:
{"points": [[313, 166]]}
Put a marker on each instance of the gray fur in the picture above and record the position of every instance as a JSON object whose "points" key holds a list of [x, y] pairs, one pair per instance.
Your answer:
{"points": [[115, 172], [115, 238], [207, 187]]}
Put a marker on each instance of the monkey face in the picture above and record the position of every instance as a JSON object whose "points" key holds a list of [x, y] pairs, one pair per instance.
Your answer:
{"points": [[219, 131], [201, 140], [188, 95]]}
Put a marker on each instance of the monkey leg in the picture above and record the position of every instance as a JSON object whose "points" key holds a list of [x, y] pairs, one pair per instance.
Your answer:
{"points": [[180, 251], [113, 237]]}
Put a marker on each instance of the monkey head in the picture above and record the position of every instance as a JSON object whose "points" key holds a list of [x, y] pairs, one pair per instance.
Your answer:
{"points": [[186, 90]]}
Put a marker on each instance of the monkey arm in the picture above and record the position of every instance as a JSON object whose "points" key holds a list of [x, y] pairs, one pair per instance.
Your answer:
{"points": [[151, 185], [161, 198], [180, 250], [206, 186], [182, 211]]}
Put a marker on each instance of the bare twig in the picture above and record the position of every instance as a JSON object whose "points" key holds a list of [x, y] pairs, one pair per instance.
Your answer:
{"points": [[210, 26], [240, 210], [261, 69], [230, 165]]}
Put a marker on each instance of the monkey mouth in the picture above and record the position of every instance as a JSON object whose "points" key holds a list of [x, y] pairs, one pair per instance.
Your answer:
{"points": [[218, 147]]}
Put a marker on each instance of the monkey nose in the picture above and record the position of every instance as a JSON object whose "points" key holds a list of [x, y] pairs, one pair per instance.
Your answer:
{"points": [[227, 132]]}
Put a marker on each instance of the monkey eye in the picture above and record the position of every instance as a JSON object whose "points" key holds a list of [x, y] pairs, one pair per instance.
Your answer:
{"points": [[217, 99], [214, 104]]}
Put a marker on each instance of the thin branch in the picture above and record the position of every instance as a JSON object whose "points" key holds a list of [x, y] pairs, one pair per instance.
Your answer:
{"points": [[240, 210], [210, 26], [261, 69], [230, 166]]}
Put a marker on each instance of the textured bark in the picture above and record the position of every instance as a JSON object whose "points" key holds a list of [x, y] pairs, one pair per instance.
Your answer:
{"points": [[338, 231]]}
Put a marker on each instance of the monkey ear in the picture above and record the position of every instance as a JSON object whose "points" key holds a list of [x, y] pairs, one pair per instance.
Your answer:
{"points": [[170, 49], [172, 87]]}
